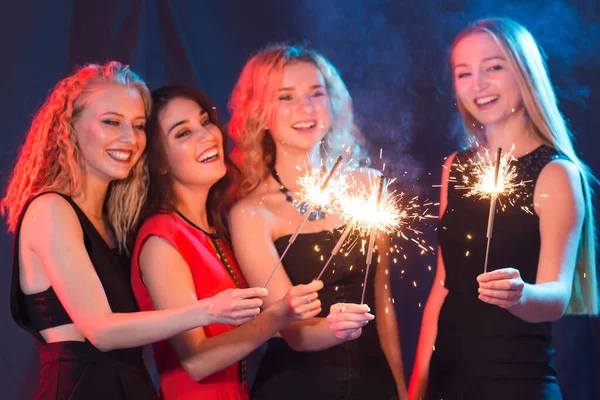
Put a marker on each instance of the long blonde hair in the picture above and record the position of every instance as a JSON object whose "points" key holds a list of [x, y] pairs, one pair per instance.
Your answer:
{"points": [[527, 61], [50, 158], [251, 108]]}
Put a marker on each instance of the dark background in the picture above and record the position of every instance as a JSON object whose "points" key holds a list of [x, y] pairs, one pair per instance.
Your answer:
{"points": [[391, 54]]}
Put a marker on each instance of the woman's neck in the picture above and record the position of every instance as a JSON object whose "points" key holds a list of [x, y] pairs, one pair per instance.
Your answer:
{"points": [[191, 202], [293, 163], [515, 133], [92, 196]]}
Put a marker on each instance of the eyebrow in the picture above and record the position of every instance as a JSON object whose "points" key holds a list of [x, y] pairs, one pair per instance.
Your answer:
{"points": [[121, 115], [317, 86], [176, 124], [484, 60]]}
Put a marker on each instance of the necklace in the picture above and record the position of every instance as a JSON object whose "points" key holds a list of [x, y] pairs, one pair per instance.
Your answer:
{"points": [[222, 255], [302, 207]]}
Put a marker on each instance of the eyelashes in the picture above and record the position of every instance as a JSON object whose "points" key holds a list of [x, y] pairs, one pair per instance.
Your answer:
{"points": [[117, 123], [490, 69], [111, 122], [289, 97]]}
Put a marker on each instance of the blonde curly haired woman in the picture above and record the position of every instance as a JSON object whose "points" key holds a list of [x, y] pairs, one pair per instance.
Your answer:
{"points": [[74, 195], [291, 112]]}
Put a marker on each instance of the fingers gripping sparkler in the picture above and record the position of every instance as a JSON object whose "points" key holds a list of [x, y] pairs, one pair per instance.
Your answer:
{"points": [[292, 238]]}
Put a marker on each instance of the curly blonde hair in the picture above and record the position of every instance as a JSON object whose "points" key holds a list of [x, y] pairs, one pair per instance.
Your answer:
{"points": [[251, 105], [527, 61], [50, 158]]}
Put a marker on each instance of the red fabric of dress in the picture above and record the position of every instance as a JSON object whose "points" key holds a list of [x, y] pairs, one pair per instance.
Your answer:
{"points": [[210, 277]]}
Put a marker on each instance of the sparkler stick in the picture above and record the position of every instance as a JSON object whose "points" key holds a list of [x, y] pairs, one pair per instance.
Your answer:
{"points": [[338, 246], [373, 233], [306, 215], [494, 196]]}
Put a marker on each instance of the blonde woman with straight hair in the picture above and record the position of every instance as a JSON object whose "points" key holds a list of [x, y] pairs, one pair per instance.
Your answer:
{"points": [[73, 197], [291, 112], [488, 335]]}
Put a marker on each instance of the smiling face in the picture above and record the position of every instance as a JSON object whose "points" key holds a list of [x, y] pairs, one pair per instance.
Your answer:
{"points": [[484, 81], [110, 131], [301, 116], [193, 145]]}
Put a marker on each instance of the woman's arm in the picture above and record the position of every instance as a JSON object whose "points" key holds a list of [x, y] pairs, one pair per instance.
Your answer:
{"points": [[387, 324], [173, 287], [257, 255], [560, 206], [428, 333], [51, 230]]}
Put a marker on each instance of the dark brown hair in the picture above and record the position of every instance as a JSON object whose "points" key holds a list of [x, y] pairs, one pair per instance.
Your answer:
{"points": [[161, 195]]}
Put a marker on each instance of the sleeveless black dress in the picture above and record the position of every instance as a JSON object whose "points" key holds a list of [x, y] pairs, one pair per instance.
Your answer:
{"points": [[353, 370], [481, 350], [78, 370]]}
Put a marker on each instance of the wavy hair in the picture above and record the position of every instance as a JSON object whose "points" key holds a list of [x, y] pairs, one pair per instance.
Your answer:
{"points": [[251, 107], [544, 118], [161, 194], [50, 159]]}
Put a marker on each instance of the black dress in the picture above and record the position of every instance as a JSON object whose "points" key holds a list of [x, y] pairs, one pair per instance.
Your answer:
{"points": [[481, 350], [78, 370], [356, 369]]}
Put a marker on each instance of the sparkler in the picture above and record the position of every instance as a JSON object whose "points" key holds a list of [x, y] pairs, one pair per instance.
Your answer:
{"points": [[363, 207], [338, 246], [313, 192], [491, 179], [373, 211], [481, 179], [494, 196], [310, 209], [372, 234]]}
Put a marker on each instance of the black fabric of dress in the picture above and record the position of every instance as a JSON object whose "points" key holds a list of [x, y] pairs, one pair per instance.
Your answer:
{"points": [[482, 351], [356, 369], [44, 310], [78, 370]]}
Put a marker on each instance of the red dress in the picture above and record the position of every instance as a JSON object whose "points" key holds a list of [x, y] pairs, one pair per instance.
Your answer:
{"points": [[211, 276]]}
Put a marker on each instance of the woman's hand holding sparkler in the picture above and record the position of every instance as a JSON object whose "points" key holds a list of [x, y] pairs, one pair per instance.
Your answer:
{"points": [[234, 306], [301, 302], [502, 287], [346, 320]]}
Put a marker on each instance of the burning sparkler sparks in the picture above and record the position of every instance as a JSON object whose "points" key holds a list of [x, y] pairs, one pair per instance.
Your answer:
{"points": [[368, 209], [372, 234], [490, 178], [322, 191], [312, 206], [371, 210], [485, 177]]}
